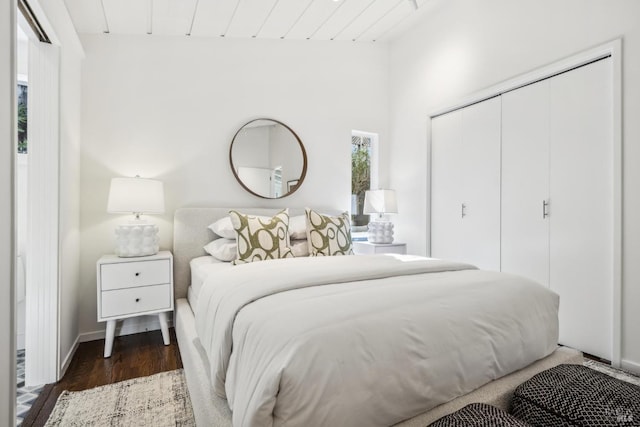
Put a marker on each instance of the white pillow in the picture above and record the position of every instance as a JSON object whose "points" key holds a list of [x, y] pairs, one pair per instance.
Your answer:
{"points": [[298, 228], [223, 228], [300, 248], [222, 249]]}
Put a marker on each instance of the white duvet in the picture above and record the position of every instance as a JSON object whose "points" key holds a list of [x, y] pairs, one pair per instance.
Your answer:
{"points": [[365, 340]]}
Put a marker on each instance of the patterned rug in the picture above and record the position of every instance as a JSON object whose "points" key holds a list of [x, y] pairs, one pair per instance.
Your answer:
{"points": [[158, 400], [163, 400]]}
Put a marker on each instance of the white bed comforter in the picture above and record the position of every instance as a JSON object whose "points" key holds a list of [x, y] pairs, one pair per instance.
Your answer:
{"points": [[365, 340]]}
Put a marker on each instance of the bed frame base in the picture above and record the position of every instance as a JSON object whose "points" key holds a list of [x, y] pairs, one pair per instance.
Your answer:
{"points": [[208, 408]]}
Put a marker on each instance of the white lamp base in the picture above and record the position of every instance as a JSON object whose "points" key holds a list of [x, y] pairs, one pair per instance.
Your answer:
{"points": [[137, 239], [380, 232]]}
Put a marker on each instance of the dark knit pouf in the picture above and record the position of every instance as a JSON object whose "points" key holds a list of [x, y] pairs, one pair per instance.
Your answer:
{"points": [[574, 395], [479, 415]]}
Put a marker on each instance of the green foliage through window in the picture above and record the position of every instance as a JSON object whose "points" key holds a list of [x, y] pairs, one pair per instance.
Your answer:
{"points": [[22, 118], [360, 175]]}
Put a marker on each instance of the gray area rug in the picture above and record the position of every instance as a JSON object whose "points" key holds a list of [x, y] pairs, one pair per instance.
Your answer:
{"points": [[163, 400], [157, 400]]}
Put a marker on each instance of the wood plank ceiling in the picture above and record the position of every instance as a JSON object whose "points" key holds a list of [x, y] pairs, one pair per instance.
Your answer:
{"points": [[355, 20]]}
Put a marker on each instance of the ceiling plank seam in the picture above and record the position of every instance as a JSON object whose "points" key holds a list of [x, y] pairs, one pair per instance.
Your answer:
{"points": [[297, 20], [231, 19], [326, 20], [105, 22], [193, 18], [353, 20], [149, 17], [394, 7], [257, 33], [388, 30]]}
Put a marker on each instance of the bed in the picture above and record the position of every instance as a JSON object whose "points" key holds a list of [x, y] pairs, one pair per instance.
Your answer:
{"points": [[378, 372]]}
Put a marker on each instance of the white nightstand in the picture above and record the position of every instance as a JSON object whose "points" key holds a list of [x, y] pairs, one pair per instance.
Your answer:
{"points": [[129, 287], [367, 248]]}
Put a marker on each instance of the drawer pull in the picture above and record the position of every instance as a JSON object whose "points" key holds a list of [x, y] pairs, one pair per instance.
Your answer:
{"points": [[137, 274], [137, 299]]}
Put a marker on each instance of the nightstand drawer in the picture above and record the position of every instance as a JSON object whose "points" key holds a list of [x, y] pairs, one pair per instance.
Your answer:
{"points": [[132, 274], [135, 300]]}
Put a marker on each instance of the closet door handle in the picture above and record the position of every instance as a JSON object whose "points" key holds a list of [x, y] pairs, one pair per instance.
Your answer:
{"points": [[463, 211], [545, 211]]}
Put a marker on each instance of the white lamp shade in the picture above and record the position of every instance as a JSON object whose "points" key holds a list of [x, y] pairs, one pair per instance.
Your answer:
{"points": [[380, 201], [136, 195]]}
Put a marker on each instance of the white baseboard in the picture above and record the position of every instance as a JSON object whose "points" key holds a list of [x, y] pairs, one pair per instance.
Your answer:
{"points": [[67, 360], [129, 326], [630, 366]]}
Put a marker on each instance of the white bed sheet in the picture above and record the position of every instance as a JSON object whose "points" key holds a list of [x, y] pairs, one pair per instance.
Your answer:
{"points": [[201, 268]]}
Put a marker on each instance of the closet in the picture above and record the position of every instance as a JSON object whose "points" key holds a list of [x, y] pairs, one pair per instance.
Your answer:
{"points": [[465, 216], [552, 199]]}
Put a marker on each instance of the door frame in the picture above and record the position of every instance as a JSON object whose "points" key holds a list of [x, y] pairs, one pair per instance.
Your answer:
{"points": [[611, 49], [8, 121]]}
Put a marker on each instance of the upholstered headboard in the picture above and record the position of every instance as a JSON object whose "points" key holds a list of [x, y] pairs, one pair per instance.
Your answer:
{"points": [[190, 234]]}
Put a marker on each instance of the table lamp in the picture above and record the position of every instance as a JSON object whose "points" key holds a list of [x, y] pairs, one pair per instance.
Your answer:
{"points": [[380, 202], [137, 196]]}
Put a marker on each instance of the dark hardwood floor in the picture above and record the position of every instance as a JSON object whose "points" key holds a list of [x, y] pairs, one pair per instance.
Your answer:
{"points": [[133, 356]]}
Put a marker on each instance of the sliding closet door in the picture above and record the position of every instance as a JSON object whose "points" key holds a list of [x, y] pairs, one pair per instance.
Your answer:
{"points": [[481, 184], [446, 185], [581, 210], [465, 185], [525, 182]]}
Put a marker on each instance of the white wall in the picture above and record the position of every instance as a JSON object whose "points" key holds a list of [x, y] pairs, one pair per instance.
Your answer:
{"points": [[7, 150], [70, 137], [168, 107], [463, 46]]}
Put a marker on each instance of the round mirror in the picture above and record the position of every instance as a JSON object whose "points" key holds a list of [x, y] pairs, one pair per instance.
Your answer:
{"points": [[268, 159]]}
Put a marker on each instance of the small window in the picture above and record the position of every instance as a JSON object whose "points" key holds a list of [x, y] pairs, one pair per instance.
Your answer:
{"points": [[364, 176], [22, 117]]}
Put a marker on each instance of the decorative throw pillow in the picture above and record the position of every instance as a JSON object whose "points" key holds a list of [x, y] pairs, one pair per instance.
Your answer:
{"points": [[222, 249], [328, 235], [260, 239]]}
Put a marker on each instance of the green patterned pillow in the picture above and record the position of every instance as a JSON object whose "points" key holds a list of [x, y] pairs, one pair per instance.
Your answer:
{"points": [[259, 238], [328, 235]]}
